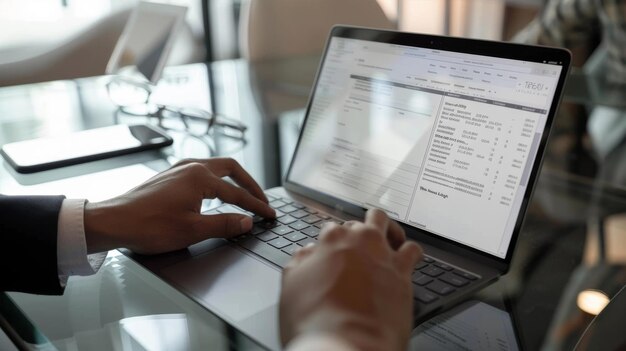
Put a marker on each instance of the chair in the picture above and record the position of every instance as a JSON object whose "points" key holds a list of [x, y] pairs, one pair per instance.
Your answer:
{"points": [[275, 29], [87, 53], [84, 54]]}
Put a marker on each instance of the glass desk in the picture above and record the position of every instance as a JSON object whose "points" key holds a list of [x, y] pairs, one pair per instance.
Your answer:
{"points": [[573, 239]]}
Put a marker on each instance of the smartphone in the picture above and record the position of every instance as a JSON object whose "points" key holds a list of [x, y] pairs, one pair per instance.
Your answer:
{"points": [[94, 144]]}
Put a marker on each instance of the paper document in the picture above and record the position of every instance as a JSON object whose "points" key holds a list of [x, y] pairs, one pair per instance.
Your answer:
{"points": [[470, 326]]}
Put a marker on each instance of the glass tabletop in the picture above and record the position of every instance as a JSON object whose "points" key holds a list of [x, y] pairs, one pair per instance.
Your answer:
{"points": [[122, 307], [570, 255]]}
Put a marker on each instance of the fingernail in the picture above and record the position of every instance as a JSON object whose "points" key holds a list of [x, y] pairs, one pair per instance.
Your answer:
{"points": [[246, 224]]}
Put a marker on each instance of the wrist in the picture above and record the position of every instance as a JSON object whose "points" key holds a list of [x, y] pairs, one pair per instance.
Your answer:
{"points": [[356, 330], [100, 233]]}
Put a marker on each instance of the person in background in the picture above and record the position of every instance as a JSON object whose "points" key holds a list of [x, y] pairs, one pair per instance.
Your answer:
{"points": [[581, 25], [586, 27]]}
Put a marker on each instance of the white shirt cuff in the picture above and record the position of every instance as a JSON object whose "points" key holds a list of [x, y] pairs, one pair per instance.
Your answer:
{"points": [[72, 258]]}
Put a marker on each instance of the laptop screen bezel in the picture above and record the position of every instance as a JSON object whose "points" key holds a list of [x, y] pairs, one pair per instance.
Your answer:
{"points": [[540, 54]]}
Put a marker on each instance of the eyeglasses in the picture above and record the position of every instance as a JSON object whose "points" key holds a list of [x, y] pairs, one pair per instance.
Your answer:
{"points": [[132, 98]]}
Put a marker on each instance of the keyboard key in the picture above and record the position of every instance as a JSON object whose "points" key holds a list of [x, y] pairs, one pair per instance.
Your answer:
{"points": [[257, 230], [321, 224], [443, 266], [465, 274], [282, 230], [287, 219], [286, 200], [432, 271], [306, 241], [311, 219], [313, 232], [421, 279], [288, 209], [270, 197], [264, 250], [311, 210], [295, 236], [267, 236], [239, 238], [257, 219], [279, 213], [428, 259], [323, 216], [279, 242], [277, 204], [420, 265], [299, 213], [440, 288], [268, 224], [423, 295], [299, 225], [291, 249], [297, 205], [454, 280]]}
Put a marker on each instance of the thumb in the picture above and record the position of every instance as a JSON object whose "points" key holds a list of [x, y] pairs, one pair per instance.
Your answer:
{"points": [[224, 225]]}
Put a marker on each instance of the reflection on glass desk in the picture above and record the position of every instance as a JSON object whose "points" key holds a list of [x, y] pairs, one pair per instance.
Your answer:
{"points": [[124, 307], [573, 239]]}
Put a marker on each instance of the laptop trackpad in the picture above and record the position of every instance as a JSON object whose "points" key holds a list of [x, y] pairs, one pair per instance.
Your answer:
{"points": [[230, 283]]}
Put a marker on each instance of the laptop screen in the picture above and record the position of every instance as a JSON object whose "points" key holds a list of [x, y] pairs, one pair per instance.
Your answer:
{"points": [[442, 141]]}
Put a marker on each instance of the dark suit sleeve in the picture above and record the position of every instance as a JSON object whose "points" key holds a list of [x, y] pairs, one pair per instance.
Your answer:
{"points": [[28, 244]]}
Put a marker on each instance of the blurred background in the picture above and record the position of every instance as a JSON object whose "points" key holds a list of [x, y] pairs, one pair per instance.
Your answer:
{"points": [[30, 28]]}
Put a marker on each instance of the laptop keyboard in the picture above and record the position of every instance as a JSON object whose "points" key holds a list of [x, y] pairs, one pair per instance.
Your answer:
{"points": [[276, 240], [433, 279], [297, 225]]}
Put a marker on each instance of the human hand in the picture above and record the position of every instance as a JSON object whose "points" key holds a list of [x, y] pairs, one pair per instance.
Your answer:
{"points": [[163, 214], [352, 285]]}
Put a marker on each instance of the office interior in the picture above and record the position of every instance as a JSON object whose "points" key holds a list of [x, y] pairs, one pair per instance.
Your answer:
{"points": [[252, 63]]}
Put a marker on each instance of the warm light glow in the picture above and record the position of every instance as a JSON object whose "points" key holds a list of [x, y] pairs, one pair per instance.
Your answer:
{"points": [[423, 16], [592, 301], [482, 19]]}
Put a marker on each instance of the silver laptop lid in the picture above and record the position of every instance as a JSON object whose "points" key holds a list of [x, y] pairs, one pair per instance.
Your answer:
{"points": [[442, 133]]}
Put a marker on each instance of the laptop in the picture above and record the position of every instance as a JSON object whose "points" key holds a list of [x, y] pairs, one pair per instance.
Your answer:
{"points": [[446, 135]]}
